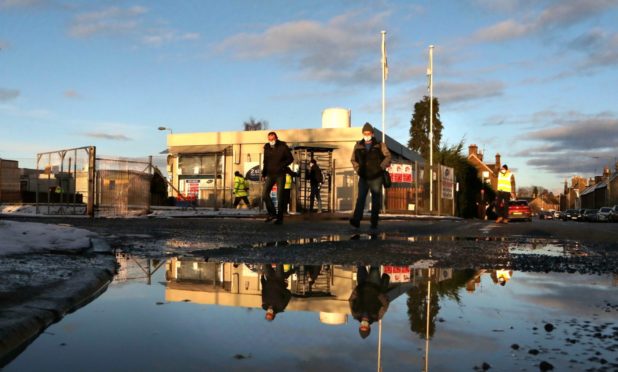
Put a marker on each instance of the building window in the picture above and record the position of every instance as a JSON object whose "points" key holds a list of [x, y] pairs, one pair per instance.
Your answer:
{"points": [[200, 164]]}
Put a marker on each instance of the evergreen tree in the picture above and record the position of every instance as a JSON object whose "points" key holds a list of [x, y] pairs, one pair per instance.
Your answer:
{"points": [[252, 124], [419, 127]]}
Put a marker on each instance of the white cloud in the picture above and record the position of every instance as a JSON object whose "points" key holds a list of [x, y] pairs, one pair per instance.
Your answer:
{"points": [[72, 94], [8, 94], [336, 50], [112, 20], [132, 22], [559, 14], [107, 136], [6, 4]]}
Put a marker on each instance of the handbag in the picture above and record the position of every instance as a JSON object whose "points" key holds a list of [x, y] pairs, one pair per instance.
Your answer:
{"points": [[386, 179]]}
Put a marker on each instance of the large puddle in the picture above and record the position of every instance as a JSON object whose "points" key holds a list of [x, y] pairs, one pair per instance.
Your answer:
{"points": [[186, 314]]}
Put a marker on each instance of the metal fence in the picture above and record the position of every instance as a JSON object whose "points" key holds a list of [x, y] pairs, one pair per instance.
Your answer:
{"points": [[123, 186]]}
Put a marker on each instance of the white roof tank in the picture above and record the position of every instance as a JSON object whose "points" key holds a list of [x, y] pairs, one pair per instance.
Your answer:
{"points": [[336, 117]]}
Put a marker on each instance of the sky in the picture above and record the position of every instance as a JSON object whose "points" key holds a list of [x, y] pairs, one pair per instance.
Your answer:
{"points": [[532, 80]]}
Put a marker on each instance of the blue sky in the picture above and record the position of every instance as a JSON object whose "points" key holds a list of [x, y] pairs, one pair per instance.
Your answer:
{"points": [[533, 80]]}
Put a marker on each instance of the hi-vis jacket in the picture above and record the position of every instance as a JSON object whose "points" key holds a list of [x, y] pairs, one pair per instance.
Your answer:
{"points": [[505, 182], [240, 186]]}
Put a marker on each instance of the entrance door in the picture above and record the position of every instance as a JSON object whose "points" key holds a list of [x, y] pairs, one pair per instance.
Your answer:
{"points": [[324, 159]]}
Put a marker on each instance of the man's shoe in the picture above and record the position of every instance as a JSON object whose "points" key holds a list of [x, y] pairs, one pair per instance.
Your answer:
{"points": [[499, 219], [354, 223], [278, 222], [269, 218], [506, 220]]}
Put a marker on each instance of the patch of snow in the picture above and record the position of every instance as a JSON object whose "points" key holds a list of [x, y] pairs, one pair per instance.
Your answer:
{"points": [[31, 237]]}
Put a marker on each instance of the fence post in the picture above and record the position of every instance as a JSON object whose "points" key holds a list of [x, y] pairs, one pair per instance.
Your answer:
{"points": [[91, 175]]}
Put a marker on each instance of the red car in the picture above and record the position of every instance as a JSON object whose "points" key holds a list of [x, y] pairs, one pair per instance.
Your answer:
{"points": [[519, 210]]}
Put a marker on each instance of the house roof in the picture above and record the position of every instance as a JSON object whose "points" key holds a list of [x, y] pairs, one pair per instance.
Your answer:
{"points": [[479, 161]]}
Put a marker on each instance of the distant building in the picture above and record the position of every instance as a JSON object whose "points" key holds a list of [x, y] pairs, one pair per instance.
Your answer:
{"points": [[488, 173], [602, 190], [196, 160], [9, 181], [544, 202]]}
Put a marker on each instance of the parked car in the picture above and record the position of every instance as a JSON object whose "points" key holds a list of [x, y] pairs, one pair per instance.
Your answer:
{"points": [[557, 214], [590, 215], [580, 214], [519, 210], [604, 214], [546, 215], [570, 215]]}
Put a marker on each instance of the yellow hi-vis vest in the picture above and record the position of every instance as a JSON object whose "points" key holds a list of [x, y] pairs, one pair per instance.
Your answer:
{"points": [[240, 186], [288, 181], [504, 181]]}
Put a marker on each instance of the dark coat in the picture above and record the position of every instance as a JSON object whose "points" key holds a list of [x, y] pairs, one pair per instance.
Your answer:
{"points": [[368, 300], [276, 159], [275, 293], [370, 164], [315, 176]]}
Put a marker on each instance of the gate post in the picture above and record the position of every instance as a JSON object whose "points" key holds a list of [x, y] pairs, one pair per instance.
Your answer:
{"points": [[91, 173]]}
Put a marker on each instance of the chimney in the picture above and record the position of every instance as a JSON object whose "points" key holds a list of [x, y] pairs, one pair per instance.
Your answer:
{"points": [[473, 150], [480, 155], [498, 164]]}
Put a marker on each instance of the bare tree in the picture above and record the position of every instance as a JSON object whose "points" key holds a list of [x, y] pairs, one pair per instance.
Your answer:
{"points": [[252, 124]]}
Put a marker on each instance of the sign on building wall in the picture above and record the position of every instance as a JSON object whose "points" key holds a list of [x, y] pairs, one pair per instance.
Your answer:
{"points": [[253, 171], [400, 172], [448, 182]]}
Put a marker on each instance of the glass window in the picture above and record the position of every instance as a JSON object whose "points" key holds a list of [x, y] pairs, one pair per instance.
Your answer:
{"points": [[200, 164]]}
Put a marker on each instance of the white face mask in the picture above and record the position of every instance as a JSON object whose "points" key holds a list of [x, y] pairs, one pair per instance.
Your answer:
{"points": [[272, 143], [367, 138]]}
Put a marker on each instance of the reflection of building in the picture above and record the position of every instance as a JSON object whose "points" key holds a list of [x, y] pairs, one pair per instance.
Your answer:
{"points": [[228, 284], [198, 159]]}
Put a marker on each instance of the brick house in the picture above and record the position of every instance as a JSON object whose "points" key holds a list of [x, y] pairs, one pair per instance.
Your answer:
{"points": [[488, 173]]}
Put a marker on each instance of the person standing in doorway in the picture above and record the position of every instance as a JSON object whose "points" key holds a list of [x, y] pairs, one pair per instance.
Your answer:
{"points": [[506, 192], [277, 157], [241, 190], [314, 174], [370, 159]]}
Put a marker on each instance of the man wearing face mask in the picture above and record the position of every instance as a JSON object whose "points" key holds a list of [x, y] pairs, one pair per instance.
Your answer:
{"points": [[506, 192], [277, 157], [370, 159]]}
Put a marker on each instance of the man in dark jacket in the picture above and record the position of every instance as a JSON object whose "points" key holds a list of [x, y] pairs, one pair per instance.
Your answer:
{"points": [[314, 174], [277, 157], [368, 301], [370, 159], [275, 292]]}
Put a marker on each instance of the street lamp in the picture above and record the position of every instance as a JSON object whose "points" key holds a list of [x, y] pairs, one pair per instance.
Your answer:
{"points": [[165, 128]]}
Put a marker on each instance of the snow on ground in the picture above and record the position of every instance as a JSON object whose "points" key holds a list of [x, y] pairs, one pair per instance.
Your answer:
{"points": [[30, 237]]}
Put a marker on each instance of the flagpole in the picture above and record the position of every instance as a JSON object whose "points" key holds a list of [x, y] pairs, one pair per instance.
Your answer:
{"points": [[384, 76], [431, 128], [384, 72]]}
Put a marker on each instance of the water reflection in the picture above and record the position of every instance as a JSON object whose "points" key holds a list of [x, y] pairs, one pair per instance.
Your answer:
{"points": [[334, 292]]}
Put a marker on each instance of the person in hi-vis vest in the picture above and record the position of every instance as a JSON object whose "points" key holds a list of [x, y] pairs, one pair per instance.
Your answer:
{"points": [[506, 192]]}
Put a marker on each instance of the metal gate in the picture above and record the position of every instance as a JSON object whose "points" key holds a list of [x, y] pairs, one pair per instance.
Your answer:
{"points": [[324, 159], [123, 186]]}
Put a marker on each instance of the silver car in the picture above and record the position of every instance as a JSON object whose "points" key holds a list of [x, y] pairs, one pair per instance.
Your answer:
{"points": [[604, 214]]}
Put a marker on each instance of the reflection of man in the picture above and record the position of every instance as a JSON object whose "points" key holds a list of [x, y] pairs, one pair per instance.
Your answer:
{"points": [[368, 301], [275, 294]]}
